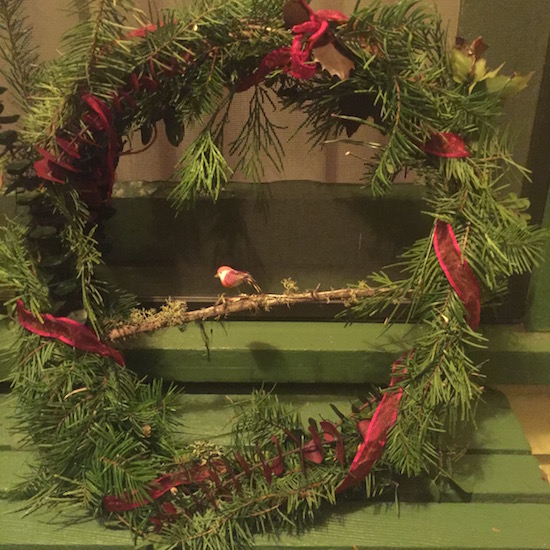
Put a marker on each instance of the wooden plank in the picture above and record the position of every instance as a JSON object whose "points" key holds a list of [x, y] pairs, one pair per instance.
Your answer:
{"points": [[8, 439], [50, 530], [515, 356], [7, 341], [309, 352], [497, 429], [538, 312], [270, 352], [509, 476], [13, 466], [498, 466], [448, 526], [486, 478], [382, 526], [502, 478]]}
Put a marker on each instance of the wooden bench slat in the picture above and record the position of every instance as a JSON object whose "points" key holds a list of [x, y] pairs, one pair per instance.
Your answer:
{"points": [[510, 508], [382, 526], [498, 466], [265, 351], [502, 478], [489, 478], [50, 530], [13, 465], [497, 428], [309, 352], [446, 526]]}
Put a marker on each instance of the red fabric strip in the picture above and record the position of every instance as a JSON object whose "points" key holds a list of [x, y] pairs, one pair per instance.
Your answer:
{"points": [[375, 438], [67, 331], [125, 503], [446, 145], [459, 274], [163, 484]]}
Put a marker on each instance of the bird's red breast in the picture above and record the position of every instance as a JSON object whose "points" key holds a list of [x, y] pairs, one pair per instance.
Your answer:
{"points": [[231, 278]]}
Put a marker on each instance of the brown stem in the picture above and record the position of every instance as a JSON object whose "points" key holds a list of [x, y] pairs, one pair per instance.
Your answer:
{"points": [[245, 302]]}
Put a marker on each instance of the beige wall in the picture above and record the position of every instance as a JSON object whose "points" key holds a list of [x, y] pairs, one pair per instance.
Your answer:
{"points": [[50, 19]]}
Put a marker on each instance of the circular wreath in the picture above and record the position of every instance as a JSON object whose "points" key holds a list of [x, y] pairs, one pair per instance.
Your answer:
{"points": [[109, 440]]}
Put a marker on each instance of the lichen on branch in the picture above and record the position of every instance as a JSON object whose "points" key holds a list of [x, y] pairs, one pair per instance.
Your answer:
{"points": [[175, 312]]}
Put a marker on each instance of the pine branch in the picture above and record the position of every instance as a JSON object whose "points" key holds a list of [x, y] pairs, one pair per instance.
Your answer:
{"points": [[258, 136], [16, 50], [81, 244], [19, 275], [203, 171], [97, 25]]}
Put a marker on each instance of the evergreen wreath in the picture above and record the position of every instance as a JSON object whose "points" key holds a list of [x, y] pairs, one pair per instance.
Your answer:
{"points": [[109, 441]]}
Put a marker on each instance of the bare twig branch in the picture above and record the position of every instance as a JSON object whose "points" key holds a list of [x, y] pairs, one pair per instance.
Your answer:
{"points": [[245, 302]]}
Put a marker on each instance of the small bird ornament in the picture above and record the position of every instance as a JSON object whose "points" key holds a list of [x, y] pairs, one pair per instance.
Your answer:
{"points": [[232, 278]]}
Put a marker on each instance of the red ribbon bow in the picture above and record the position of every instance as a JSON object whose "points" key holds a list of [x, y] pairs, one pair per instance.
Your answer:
{"points": [[67, 331]]}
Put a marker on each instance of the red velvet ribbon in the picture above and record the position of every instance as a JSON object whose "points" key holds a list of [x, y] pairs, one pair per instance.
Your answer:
{"points": [[67, 331], [375, 437], [459, 274], [163, 484], [446, 145], [464, 282]]}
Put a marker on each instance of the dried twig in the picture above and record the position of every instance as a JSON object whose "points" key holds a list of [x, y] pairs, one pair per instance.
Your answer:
{"points": [[245, 302]]}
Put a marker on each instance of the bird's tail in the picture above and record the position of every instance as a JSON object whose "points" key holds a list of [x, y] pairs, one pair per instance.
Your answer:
{"points": [[252, 282]]}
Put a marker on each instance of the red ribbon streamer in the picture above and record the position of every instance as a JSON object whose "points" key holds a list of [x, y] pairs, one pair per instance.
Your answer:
{"points": [[67, 331], [375, 438], [459, 274], [125, 503], [464, 282], [163, 484], [446, 145]]}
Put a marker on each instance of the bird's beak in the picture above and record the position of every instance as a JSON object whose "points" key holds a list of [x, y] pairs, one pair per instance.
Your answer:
{"points": [[216, 276]]}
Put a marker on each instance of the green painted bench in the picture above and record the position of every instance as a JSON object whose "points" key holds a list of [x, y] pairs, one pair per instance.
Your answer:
{"points": [[502, 502]]}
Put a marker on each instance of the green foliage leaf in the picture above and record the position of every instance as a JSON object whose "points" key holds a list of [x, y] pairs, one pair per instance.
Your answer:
{"points": [[507, 86], [462, 65], [173, 124], [8, 137], [9, 119], [18, 167], [43, 232]]}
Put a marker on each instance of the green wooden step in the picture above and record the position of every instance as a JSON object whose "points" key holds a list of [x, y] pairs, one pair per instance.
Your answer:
{"points": [[381, 526], [48, 529], [502, 478], [509, 508], [445, 526], [484, 478], [209, 415], [309, 352]]}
